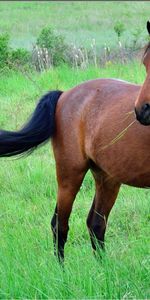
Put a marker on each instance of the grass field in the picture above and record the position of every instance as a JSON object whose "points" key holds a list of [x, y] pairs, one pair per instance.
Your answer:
{"points": [[85, 20], [28, 269]]}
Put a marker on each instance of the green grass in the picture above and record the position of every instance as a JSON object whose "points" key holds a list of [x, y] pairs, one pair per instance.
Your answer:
{"points": [[28, 269], [85, 20]]}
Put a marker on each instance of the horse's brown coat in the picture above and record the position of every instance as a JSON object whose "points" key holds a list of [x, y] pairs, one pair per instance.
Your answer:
{"points": [[88, 118]]}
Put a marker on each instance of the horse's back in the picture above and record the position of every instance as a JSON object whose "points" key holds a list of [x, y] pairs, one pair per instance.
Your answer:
{"points": [[95, 98]]}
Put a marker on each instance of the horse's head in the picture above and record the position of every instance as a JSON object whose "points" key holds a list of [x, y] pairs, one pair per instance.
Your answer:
{"points": [[142, 104]]}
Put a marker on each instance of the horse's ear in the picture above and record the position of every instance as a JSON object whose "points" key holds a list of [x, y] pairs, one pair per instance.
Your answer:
{"points": [[148, 27]]}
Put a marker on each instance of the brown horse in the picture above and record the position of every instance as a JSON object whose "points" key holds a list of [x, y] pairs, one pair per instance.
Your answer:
{"points": [[90, 127]]}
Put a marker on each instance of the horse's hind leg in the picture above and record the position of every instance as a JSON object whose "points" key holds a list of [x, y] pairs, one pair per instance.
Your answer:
{"points": [[69, 182], [105, 196]]}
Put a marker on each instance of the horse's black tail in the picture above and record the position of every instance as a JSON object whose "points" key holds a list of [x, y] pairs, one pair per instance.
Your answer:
{"points": [[38, 130]]}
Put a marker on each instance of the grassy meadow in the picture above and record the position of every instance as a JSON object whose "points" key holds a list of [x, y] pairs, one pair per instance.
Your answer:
{"points": [[78, 21], [28, 189], [28, 186]]}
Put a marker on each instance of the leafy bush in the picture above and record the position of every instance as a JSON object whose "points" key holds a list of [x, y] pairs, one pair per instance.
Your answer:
{"points": [[54, 43], [4, 50], [10, 57], [20, 56], [119, 29]]}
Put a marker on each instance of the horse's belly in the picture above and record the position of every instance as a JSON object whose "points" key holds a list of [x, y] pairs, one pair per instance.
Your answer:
{"points": [[125, 161], [126, 167], [142, 181]]}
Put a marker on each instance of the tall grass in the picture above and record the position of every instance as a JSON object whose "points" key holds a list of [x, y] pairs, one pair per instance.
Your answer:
{"points": [[28, 269]]}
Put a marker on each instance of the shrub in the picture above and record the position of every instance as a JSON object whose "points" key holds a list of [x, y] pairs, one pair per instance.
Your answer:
{"points": [[10, 57], [54, 43], [4, 50], [20, 56], [119, 29]]}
